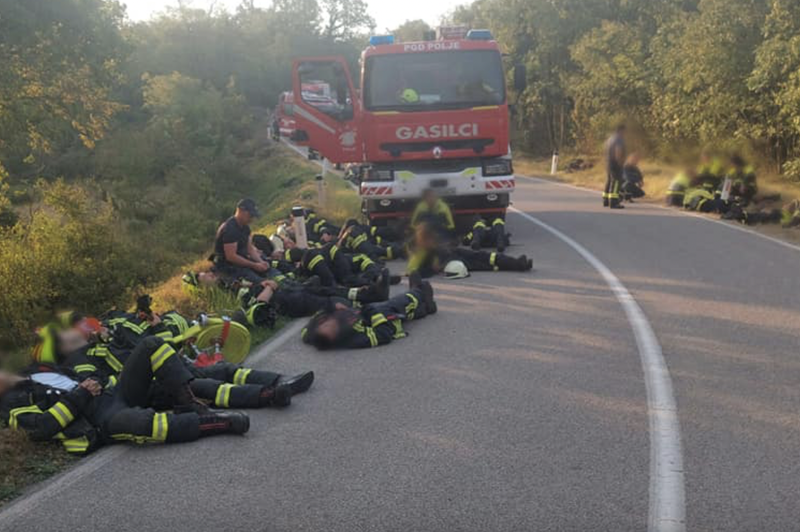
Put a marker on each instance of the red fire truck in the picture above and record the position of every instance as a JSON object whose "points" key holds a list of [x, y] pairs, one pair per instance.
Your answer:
{"points": [[429, 114]]}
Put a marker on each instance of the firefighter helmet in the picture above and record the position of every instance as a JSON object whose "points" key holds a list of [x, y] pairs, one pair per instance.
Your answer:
{"points": [[409, 96], [455, 269]]}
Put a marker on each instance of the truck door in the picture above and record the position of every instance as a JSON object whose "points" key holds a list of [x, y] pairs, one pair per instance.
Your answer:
{"points": [[326, 108]]}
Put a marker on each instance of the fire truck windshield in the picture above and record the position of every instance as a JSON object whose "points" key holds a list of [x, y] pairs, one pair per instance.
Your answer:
{"points": [[433, 80]]}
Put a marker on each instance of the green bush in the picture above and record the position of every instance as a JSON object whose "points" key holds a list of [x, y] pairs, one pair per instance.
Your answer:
{"points": [[68, 255]]}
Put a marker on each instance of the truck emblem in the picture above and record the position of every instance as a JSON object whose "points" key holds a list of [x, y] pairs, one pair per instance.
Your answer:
{"points": [[437, 152]]}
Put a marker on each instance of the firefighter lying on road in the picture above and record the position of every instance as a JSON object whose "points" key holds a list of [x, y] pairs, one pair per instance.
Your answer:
{"points": [[53, 402], [341, 326]]}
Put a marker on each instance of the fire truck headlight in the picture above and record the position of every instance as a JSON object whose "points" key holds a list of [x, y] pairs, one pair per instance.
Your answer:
{"points": [[497, 167]]}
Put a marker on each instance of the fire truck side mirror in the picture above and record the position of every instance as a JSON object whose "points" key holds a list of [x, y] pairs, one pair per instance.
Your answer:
{"points": [[520, 78]]}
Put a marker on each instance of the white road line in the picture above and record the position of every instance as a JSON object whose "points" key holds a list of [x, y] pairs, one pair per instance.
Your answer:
{"points": [[729, 225], [91, 464], [667, 508]]}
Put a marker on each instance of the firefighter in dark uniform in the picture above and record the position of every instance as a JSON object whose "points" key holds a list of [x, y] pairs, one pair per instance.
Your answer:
{"points": [[378, 324], [430, 257], [360, 239], [224, 385], [743, 181], [485, 234], [615, 160], [54, 403], [677, 189], [315, 224]]}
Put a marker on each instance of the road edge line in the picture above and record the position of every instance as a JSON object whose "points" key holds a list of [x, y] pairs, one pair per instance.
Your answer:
{"points": [[25, 504], [667, 498]]}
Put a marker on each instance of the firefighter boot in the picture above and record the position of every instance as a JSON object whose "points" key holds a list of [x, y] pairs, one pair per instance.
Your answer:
{"points": [[214, 423], [520, 264], [298, 383], [279, 396], [427, 297], [184, 400]]}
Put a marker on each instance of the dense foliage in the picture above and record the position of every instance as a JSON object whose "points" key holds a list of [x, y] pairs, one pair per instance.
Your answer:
{"points": [[122, 145], [688, 72]]}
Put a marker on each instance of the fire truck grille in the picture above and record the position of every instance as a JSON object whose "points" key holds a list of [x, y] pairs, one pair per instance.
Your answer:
{"points": [[396, 149]]}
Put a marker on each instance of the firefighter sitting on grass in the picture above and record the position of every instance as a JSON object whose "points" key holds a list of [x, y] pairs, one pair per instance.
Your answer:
{"points": [[343, 327]]}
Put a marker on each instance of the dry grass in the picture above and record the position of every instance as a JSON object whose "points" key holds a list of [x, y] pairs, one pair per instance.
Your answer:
{"points": [[25, 462]]}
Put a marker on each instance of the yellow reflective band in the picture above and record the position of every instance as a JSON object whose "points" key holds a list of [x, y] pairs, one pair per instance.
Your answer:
{"points": [[358, 327], [85, 368], [398, 329], [373, 339], [287, 255], [111, 360], [166, 335], [378, 319], [62, 414], [479, 224], [76, 445], [389, 253], [470, 171], [318, 225], [112, 381], [160, 427], [161, 355], [412, 306], [132, 326], [223, 397], [499, 221], [352, 294], [13, 421], [334, 251], [357, 241], [316, 260], [240, 377]]}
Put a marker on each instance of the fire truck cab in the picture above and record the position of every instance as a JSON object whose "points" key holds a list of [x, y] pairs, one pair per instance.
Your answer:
{"points": [[429, 115]]}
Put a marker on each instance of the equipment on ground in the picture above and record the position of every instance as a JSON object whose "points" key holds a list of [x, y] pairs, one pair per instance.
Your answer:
{"points": [[455, 269]]}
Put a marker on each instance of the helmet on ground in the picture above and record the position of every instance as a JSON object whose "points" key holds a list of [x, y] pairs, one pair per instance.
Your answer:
{"points": [[455, 269], [409, 96]]}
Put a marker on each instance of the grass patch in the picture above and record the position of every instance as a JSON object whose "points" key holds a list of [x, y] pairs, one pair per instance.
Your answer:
{"points": [[25, 462]]}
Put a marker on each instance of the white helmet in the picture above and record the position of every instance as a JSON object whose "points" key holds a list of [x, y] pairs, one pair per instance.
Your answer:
{"points": [[455, 269], [277, 243]]}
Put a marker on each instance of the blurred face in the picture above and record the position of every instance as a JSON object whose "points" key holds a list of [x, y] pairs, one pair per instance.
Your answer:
{"points": [[7, 381], [430, 198], [70, 341], [207, 278], [243, 217], [328, 329]]}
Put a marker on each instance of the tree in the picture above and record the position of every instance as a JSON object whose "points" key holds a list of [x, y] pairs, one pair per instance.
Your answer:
{"points": [[411, 30], [343, 20]]}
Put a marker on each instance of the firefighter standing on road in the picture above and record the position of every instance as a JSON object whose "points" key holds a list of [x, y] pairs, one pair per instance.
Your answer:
{"points": [[615, 160], [435, 213]]}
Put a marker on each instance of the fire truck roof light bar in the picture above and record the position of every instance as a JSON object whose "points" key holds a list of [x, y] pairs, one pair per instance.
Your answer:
{"points": [[377, 40]]}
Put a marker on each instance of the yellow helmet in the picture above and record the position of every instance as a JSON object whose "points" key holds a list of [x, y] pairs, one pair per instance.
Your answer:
{"points": [[409, 96]]}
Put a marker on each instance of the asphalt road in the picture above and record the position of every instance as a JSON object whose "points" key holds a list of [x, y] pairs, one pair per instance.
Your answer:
{"points": [[522, 405]]}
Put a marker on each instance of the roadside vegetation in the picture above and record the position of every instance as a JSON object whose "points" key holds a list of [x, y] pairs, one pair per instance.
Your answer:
{"points": [[123, 147]]}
